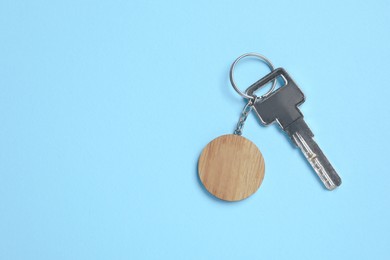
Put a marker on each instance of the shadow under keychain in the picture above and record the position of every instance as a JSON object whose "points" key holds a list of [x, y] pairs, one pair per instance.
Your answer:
{"points": [[232, 168]]}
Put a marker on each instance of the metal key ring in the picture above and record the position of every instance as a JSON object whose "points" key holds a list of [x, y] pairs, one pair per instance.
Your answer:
{"points": [[231, 74]]}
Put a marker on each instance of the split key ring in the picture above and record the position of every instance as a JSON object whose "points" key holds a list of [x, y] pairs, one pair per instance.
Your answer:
{"points": [[231, 74]]}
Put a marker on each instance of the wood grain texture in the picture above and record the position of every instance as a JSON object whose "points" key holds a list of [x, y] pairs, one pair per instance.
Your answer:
{"points": [[231, 167]]}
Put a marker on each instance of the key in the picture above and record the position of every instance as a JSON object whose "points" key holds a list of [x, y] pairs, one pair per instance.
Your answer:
{"points": [[281, 106]]}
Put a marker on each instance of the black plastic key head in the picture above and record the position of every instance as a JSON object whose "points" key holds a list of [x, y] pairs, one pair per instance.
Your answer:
{"points": [[282, 104]]}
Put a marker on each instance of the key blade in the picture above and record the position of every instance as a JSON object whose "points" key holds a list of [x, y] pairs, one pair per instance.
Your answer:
{"points": [[318, 161], [302, 136]]}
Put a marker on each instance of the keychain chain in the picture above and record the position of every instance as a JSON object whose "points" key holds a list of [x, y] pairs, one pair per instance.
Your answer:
{"points": [[244, 115]]}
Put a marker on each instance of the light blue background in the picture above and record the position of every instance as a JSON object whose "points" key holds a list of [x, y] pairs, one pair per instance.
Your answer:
{"points": [[106, 106]]}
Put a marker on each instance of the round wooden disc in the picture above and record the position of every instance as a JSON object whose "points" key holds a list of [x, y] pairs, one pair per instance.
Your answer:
{"points": [[231, 167]]}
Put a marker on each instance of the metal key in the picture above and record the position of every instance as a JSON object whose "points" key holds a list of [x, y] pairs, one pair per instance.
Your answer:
{"points": [[282, 106]]}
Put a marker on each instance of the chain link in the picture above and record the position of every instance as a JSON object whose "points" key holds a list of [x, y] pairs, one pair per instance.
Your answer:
{"points": [[244, 114]]}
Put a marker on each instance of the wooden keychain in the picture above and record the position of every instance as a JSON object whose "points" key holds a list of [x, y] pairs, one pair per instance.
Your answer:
{"points": [[231, 167]]}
